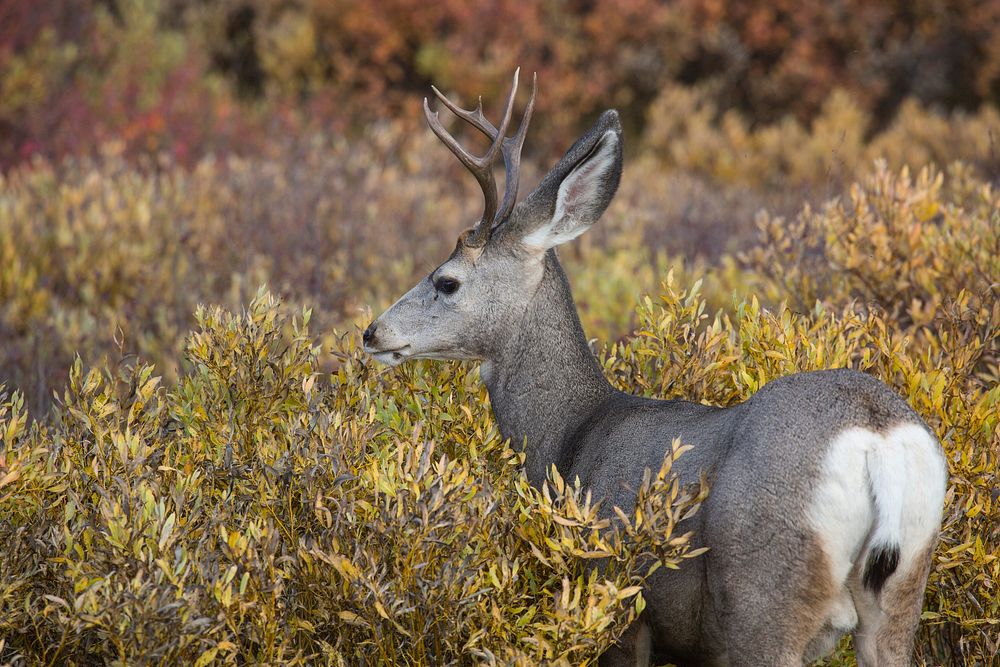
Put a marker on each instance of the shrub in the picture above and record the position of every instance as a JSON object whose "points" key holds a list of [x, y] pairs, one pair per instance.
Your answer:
{"points": [[74, 75], [257, 511], [785, 56], [91, 246], [92, 249], [94, 246], [687, 130], [764, 61], [913, 246]]}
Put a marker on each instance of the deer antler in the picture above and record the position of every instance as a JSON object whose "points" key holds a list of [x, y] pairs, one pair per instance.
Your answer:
{"points": [[482, 167]]}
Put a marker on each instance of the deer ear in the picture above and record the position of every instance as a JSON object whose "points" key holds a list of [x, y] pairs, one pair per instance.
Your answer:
{"points": [[577, 190]]}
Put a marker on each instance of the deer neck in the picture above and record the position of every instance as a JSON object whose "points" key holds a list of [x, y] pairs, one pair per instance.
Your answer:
{"points": [[543, 380]]}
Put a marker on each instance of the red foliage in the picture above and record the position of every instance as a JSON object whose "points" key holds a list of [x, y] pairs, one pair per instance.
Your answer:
{"points": [[787, 55], [98, 91], [337, 62]]}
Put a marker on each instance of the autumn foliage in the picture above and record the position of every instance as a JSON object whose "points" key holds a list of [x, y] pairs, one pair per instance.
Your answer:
{"points": [[807, 185], [193, 77]]}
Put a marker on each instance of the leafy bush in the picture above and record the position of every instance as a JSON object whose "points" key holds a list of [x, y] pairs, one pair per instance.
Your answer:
{"points": [[76, 75], [257, 511], [91, 246], [909, 245], [687, 130], [763, 60], [90, 250], [769, 59]]}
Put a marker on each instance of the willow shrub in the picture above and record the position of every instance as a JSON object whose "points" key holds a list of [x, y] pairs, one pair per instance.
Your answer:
{"points": [[913, 245], [258, 511], [686, 130]]}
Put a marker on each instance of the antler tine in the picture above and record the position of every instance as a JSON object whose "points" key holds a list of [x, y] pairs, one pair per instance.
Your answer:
{"points": [[481, 167], [511, 145], [512, 156], [474, 117]]}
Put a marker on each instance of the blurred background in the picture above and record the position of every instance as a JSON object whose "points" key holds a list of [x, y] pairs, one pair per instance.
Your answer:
{"points": [[156, 154]]}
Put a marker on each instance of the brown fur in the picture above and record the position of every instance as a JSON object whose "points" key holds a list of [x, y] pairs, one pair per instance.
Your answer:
{"points": [[889, 622], [793, 628], [816, 594]]}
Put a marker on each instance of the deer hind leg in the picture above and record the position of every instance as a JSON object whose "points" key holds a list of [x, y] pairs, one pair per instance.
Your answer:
{"points": [[775, 610], [634, 649], [889, 618]]}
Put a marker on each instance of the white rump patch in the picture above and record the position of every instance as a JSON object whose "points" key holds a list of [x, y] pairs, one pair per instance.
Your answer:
{"points": [[842, 510], [923, 487], [877, 489]]}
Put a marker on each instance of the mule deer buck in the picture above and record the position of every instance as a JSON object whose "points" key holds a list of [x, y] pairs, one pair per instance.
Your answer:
{"points": [[826, 488]]}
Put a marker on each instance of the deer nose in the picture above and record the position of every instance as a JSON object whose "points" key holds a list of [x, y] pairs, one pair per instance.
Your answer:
{"points": [[369, 335]]}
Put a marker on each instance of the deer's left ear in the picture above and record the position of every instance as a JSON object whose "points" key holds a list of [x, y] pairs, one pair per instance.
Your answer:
{"points": [[577, 190]]}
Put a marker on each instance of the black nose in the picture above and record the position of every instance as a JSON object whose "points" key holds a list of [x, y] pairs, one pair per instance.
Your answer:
{"points": [[369, 334]]}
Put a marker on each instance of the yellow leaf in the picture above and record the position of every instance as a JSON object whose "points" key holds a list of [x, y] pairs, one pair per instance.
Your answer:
{"points": [[206, 657]]}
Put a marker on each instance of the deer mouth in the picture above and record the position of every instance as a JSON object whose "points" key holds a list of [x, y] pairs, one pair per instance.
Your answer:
{"points": [[392, 357]]}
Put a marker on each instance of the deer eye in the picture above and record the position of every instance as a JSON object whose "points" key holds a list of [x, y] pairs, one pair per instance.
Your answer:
{"points": [[446, 285]]}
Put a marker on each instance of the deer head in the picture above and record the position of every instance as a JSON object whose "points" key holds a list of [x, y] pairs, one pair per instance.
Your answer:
{"points": [[480, 292]]}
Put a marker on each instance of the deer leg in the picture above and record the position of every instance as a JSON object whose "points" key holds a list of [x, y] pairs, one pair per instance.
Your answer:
{"points": [[889, 618], [634, 649], [774, 603]]}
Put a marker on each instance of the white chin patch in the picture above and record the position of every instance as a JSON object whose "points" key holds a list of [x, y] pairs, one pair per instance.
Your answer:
{"points": [[392, 357]]}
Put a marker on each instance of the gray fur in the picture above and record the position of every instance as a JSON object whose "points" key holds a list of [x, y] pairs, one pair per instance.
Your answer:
{"points": [[751, 599]]}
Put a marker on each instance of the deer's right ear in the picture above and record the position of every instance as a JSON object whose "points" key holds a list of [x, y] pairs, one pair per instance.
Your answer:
{"points": [[577, 190]]}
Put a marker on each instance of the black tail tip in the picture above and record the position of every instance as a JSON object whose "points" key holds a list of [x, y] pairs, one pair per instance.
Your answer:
{"points": [[882, 562]]}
